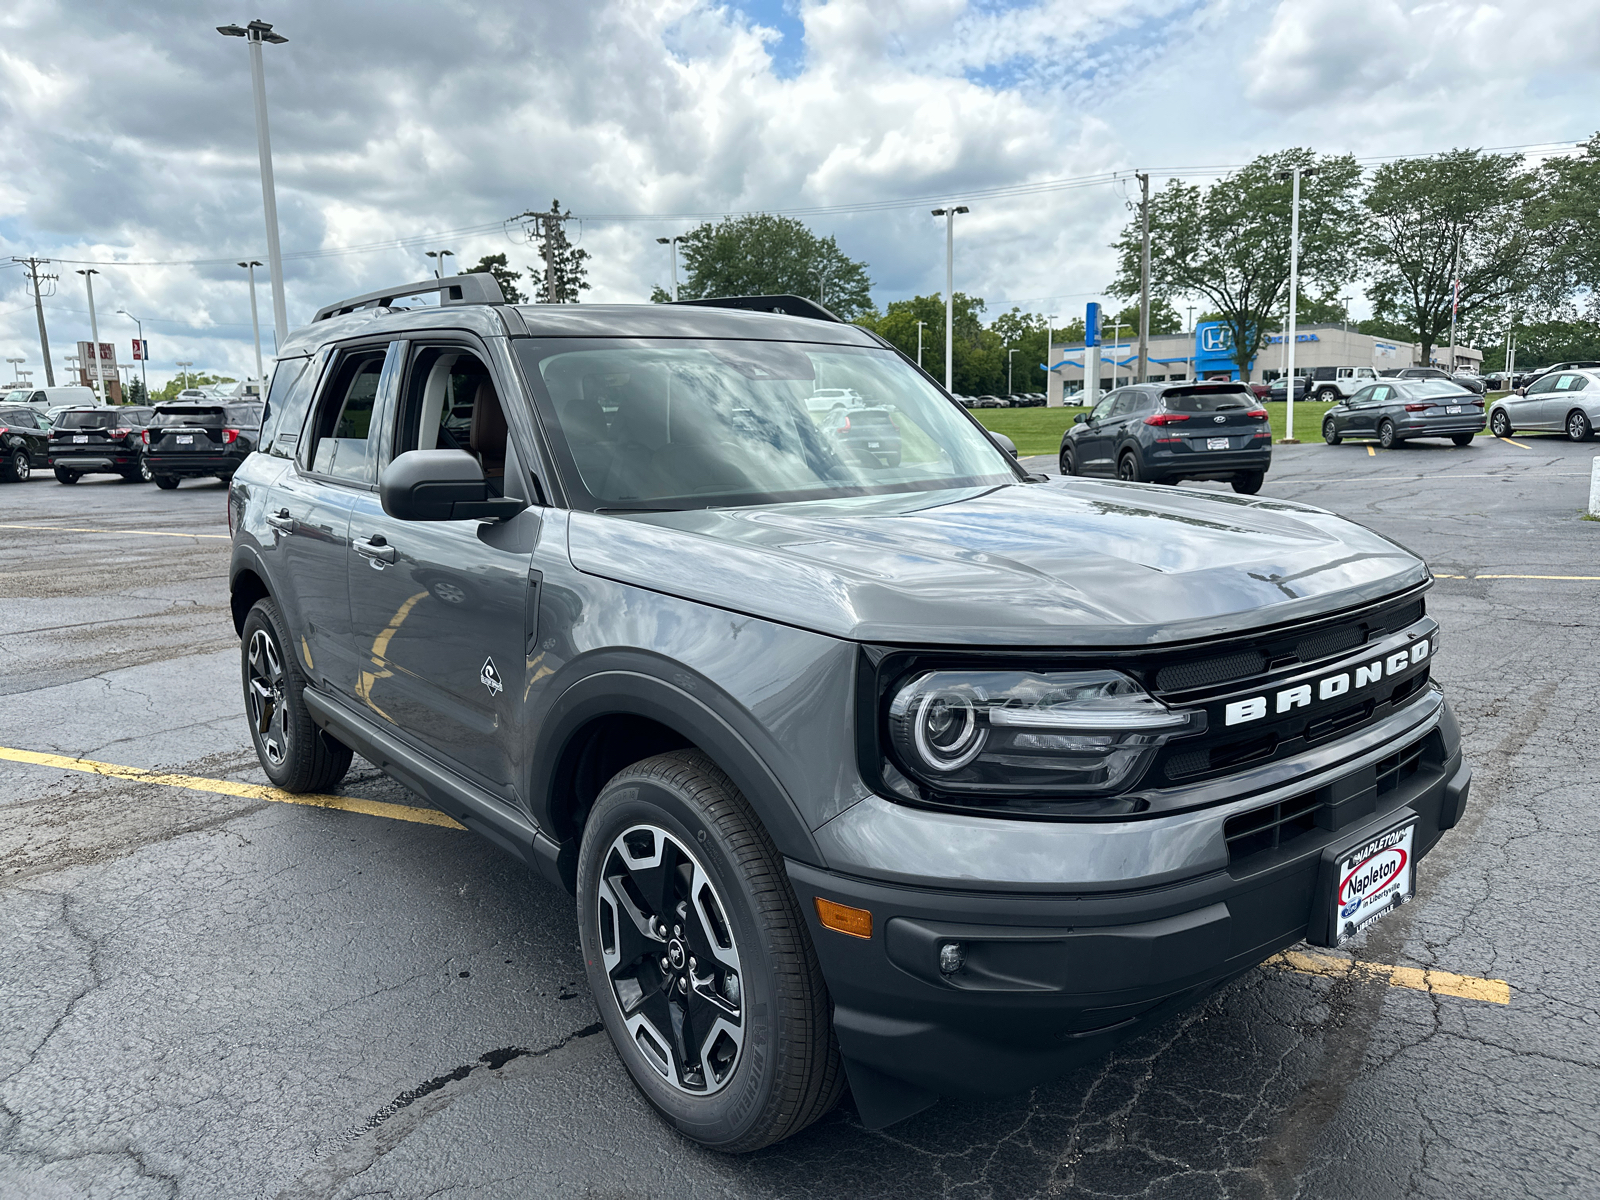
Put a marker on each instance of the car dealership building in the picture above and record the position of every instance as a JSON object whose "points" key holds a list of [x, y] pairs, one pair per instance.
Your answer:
{"points": [[1207, 354]]}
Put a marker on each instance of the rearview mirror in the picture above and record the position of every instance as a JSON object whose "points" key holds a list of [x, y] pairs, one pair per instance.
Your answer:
{"points": [[441, 485]]}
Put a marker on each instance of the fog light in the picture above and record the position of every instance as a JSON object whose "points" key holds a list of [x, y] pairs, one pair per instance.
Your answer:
{"points": [[951, 957]]}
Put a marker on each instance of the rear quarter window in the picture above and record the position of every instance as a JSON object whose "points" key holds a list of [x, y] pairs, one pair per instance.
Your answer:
{"points": [[288, 398]]}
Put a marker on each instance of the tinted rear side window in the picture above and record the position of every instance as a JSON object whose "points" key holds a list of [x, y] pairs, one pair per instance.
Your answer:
{"points": [[1204, 400], [246, 416]]}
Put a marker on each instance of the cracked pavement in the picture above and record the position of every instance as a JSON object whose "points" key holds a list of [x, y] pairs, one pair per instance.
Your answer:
{"points": [[213, 996]]}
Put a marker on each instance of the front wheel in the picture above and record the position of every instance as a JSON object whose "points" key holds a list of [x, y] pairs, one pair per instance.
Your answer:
{"points": [[1578, 427], [65, 476], [700, 960], [296, 755], [1330, 432], [1248, 483], [1500, 424], [1069, 461], [166, 482], [1386, 434], [19, 466]]}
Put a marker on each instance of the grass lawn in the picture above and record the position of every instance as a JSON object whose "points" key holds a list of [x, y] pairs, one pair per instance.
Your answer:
{"points": [[1039, 430]]}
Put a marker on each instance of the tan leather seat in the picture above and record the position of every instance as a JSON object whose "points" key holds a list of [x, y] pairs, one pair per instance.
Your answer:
{"points": [[487, 437]]}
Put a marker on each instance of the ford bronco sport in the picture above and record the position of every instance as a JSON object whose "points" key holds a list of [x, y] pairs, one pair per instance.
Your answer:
{"points": [[925, 776]]}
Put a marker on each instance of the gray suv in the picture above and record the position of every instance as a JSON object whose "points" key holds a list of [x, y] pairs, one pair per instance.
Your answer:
{"points": [[926, 777]]}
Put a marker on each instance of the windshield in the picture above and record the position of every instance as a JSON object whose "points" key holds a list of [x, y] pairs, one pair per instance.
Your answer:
{"points": [[696, 424]]}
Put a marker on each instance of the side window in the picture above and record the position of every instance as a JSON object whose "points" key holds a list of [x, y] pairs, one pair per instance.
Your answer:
{"points": [[20, 417], [1545, 384], [1569, 383], [1364, 396], [451, 403], [1103, 409], [339, 444], [288, 398], [1380, 394]]}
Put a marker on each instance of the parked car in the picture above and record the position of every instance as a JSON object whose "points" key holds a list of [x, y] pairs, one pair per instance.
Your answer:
{"points": [[988, 402], [1166, 432], [1258, 389], [191, 440], [1564, 400], [1531, 377], [1279, 390], [1476, 384], [48, 399], [827, 399], [100, 440], [894, 777], [1331, 384], [866, 431], [1393, 411], [24, 441]]}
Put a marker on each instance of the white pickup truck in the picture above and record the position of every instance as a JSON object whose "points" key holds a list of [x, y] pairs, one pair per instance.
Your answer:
{"points": [[1330, 384]]}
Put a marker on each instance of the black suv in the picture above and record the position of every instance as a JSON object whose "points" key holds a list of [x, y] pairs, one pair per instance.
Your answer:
{"points": [[1166, 432], [24, 441], [189, 440], [933, 776], [100, 440]]}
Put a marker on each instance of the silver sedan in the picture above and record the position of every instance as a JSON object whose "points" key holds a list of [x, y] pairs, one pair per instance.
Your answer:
{"points": [[1562, 401]]}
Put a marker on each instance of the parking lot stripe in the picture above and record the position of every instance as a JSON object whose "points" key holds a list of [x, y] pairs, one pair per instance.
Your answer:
{"points": [[1575, 578], [228, 787], [1516, 444], [1371, 453], [144, 532], [1419, 979]]}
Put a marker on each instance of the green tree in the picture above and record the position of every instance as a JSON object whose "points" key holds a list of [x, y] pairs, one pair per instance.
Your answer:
{"points": [[979, 352], [500, 268], [564, 262], [1230, 244], [1566, 213], [765, 255], [1462, 214], [134, 393]]}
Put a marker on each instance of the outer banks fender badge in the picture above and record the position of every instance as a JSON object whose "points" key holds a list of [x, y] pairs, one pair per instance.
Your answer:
{"points": [[490, 678]]}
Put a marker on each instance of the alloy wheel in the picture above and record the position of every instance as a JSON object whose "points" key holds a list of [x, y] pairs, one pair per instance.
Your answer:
{"points": [[268, 713], [1578, 427], [21, 467], [669, 953]]}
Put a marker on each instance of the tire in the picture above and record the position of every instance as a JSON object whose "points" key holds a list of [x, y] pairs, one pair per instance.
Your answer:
{"points": [[1579, 428], [165, 482], [1462, 439], [296, 755], [1128, 468], [1328, 395], [1068, 461], [18, 466], [65, 476], [1500, 423], [1248, 483], [1330, 432], [139, 474], [1386, 435], [726, 1098]]}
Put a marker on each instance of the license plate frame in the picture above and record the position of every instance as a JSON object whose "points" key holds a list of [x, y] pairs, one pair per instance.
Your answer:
{"points": [[1219, 443], [1365, 878]]}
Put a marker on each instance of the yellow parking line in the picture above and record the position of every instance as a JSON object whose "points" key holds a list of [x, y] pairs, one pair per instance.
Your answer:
{"points": [[227, 787], [1371, 453], [1438, 983], [144, 532], [1516, 443], [1569, 577]]}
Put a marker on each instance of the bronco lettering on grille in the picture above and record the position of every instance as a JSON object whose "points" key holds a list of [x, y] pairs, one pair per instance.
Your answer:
{"points": [[1238, 712]]}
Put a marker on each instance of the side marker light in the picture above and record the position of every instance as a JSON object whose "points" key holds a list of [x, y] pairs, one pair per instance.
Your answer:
{"points": [[841, 918]]}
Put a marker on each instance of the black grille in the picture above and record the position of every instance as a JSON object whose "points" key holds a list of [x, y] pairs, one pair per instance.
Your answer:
{"points": [[1266, 829], [1182, 676], [1397, 768], [1330, 642]]}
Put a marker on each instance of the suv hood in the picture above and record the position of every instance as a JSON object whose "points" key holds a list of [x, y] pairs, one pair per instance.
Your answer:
{"points": [[1073, 562]]}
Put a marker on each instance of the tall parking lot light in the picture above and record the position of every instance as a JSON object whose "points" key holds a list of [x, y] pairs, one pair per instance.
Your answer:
{"points": [[920, 324], [255, 324], [438, 257], [144, 351], [94, 332], [949, 214], [1010, 390], [16, 363], [1294, 173], [672, 243], [184, 367], [255, 34]]}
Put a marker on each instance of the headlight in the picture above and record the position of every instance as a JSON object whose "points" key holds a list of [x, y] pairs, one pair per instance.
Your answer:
{"points": [[1075, 733]]}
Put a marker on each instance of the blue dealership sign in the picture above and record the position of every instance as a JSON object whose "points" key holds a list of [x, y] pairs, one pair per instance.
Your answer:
{"points": [[1091, 326], [1213, 349]]}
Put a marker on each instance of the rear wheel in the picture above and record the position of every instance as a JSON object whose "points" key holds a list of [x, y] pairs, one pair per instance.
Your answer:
{"points": [[1328, 395], [700, 960], [1330, 432], [1128, 468], [65, 476], [166, 482], [1461, 439], [1500, 423], [1578, 427], [1248, 483], [18, 466], [296, 755], [1386, 434]]}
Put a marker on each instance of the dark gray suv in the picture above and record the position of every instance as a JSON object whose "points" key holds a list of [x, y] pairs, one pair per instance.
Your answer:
{"points": [[929, 777], [1167, 432]]}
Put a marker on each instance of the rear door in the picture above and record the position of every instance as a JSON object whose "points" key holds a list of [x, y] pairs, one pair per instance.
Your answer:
{"points": [[1559, 400]]}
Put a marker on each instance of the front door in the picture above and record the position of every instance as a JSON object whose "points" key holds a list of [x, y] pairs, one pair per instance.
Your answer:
{"points": [[442, 612], [1363, 418], [1528, 412]]}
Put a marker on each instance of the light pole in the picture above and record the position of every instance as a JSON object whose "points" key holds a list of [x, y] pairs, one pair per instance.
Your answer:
{"points": [[1294, 173], [1116, 336], [15, 363], [144, 351], [255, 323], [94, 332], [920, 324], [820, 274], [1049, 320], [72, 362], [948, 212], [184, 367], [438, 257], [672, 242], [1191, 343], [1010, 389], [256, 33]]}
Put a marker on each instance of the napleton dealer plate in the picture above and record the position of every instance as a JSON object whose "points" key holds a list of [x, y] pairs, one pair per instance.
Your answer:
{"points": [[1374, 878]]}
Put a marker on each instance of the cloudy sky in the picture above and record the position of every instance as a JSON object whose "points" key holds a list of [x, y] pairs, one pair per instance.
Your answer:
{"points": [[127, 135]]}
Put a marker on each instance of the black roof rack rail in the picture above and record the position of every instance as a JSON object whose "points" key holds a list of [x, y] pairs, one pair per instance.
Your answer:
{"points": [[794, 306], [477, 288]]}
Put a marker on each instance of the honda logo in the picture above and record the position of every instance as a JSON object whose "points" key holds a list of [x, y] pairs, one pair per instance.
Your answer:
{"points": [[1214, 339]]}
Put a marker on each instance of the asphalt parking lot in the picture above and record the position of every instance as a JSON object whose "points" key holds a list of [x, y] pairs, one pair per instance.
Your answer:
{"points": [[208, 993]]}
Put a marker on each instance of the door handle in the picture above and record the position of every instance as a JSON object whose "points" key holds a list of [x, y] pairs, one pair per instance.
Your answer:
{"points": [[377, 548], [281, 520]]}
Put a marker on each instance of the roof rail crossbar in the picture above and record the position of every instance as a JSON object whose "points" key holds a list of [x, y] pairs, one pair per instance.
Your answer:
{"points": [[793, 306], [477, 288]]}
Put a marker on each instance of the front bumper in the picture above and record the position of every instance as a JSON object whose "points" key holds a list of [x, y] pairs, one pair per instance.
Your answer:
{"points": [[1054, 979]]}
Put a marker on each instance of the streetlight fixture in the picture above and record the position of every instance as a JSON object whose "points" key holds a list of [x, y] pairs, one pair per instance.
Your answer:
{"points": [[1294, 173], [94, 332], [438, 257], [673, 243], [1049, 322], [15, 363], [184, 367], [920, 324], [72, 363], [948, 212], [255, 34], [144, 351], [255, 324]]}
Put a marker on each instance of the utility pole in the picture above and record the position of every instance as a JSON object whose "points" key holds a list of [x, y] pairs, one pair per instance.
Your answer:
{"points": [[94, 332], [549, 224], [1455, 299], [1144, 279], [33, 265], [1191, 343], [948, 212]]}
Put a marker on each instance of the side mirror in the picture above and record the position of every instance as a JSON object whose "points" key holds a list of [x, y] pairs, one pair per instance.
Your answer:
{"points": [[1522, 391], [1004, 443], [1079, 418], [441, 485]]}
